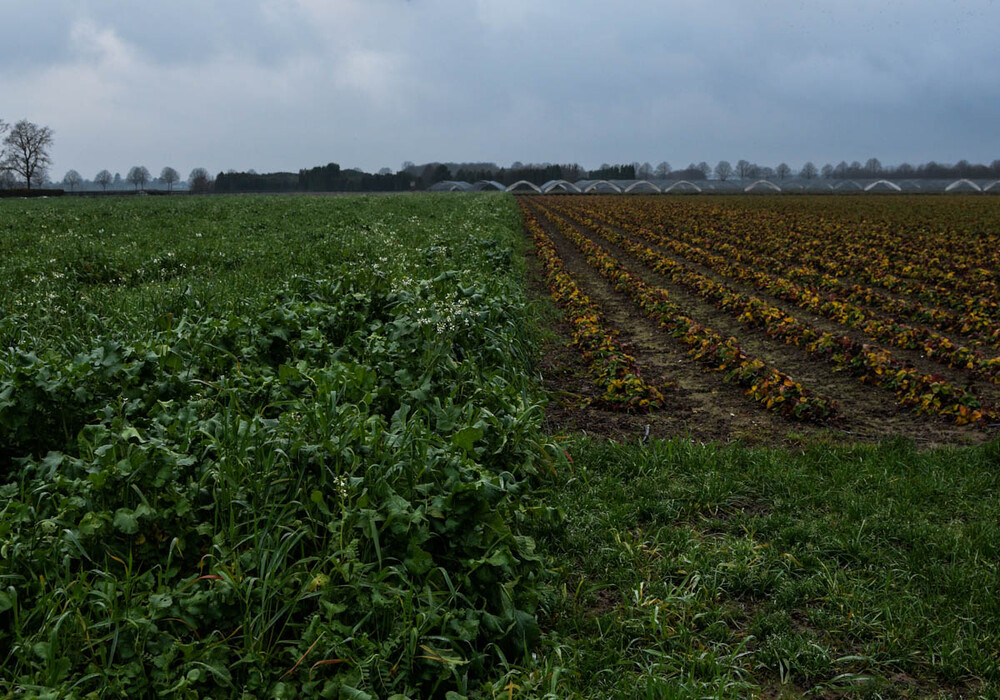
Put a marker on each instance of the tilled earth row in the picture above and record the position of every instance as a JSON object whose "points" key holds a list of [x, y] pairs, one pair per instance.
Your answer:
{"points": [[988, 392], [702, 406]]}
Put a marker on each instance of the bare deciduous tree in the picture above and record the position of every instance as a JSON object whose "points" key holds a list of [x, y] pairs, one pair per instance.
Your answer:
{"points": [[73, 179], [103, 179], [169, 176], [723, 170], [743, 169], [198, 181], [663, 170], [808, 171], [138, 176], [27, 151], [782, 171], [3, 129]]}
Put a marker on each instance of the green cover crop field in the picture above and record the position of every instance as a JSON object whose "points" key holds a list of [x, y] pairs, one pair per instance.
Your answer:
{"points": [[264, 446], [294, 447]]}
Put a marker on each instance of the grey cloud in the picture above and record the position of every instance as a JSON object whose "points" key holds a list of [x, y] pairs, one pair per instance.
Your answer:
{"points": [[281, 84]]}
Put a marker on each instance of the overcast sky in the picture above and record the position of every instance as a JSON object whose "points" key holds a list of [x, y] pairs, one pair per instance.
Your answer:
{"points": [[286, 84]]}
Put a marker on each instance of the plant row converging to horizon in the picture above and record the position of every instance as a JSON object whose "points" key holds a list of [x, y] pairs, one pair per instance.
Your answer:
{"points": [[678, 242]]}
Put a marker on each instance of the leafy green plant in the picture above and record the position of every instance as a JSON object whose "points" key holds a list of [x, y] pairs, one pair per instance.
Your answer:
{"points": [[319, 488]]}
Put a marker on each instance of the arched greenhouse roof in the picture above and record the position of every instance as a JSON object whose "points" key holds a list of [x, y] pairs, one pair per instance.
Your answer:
{"points": [[602, 186], [450, 186], [682, 187], [762, 186], [883, 186], [524, 186], [642, 186], [963, 185], [559, 186], [848, 185], [483, 185]]}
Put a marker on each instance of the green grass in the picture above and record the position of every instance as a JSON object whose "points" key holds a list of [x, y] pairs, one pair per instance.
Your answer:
{"points": [[710, 571]]}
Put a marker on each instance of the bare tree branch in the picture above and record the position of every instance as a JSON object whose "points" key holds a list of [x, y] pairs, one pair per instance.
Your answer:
{"points": [[28, 150]]}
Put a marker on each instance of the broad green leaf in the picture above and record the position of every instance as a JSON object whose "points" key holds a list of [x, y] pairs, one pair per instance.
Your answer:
{"points": [[126, 521], [466, 438], [160, 601]]}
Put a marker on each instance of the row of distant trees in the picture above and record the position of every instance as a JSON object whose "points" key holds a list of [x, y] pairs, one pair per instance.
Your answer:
{"points": [[139, 178], [24, 154], [25, 160], [538, 174], [325, 178], [332, 178], [872, 168]]}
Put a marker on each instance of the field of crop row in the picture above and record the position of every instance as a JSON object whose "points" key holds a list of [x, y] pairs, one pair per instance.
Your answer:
{"points": [[329, 447], [846, 564], [826, 312]]}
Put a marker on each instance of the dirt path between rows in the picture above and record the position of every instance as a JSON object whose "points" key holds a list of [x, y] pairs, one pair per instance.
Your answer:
{"points": [[702, 406]]}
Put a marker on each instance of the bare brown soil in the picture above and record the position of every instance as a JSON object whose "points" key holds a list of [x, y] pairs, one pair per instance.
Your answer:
{"points": [[701, 407]]}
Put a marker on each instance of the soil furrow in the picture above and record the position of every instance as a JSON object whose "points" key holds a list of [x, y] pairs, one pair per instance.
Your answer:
{"points": [[867, 412], [990, 393], [700, 406], [959, 338]]}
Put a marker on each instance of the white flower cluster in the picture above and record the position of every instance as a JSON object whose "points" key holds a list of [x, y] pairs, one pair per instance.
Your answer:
{"points": [[340, 484], [446, 315]]}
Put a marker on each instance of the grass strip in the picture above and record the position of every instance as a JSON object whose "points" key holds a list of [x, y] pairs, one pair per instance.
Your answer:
{"points": [[724, 571]]}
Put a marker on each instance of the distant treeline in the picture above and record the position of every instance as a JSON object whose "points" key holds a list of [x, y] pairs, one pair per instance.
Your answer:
{"points": [[255, 182], [426, 175], [326, 178], [905, 171], [331, 178]]}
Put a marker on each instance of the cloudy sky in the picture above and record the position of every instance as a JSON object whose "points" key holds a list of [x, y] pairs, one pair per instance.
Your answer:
{"points": [[285, 84]]}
